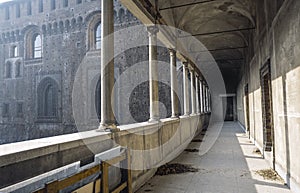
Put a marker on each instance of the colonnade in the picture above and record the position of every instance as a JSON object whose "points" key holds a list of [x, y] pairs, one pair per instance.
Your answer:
{"points": [[200, 97]]}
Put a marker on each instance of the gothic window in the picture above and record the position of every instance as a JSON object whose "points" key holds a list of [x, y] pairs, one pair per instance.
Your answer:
{"points": [[8, 70], [37, 46], [98, 36], [48, 99]]}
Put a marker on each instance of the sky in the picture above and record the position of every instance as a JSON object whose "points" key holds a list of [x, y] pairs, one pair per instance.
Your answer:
{"points": [[2, 1]]}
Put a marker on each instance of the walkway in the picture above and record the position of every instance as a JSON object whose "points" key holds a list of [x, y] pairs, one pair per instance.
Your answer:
{"points": [[230, 166]]}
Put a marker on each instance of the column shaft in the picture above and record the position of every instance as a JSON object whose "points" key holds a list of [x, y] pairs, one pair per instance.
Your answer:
{"points": [[186, 98], [193, 94], [204, 97], [197, 95], [153, 74], [201, 97], [107, 66], [206, 100], [174, 84]]}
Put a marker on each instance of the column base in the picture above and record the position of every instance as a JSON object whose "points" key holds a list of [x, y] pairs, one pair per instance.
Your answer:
{"points": [[185, 115], [107, 128], [154, 120], [174, 117]]}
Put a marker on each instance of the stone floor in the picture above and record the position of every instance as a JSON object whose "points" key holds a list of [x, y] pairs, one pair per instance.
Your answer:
{"points": [[228, 167]]}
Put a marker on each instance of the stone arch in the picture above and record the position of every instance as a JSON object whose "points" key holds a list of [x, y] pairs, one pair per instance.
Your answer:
{"points": [[93, 24], [33, 49]]}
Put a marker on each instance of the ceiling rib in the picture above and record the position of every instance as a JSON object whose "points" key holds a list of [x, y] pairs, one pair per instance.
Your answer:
{"points": [[220, 49], [219, 32], [234, 59], [185, 5], [220, 60]]}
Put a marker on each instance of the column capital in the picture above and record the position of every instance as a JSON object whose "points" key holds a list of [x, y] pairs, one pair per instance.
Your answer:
{"points": [[172, 51], [152, 29], [191, 68], [185, 64]]}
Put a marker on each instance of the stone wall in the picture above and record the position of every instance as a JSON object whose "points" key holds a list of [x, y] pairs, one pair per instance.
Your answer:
{"points": [[277, 39]]}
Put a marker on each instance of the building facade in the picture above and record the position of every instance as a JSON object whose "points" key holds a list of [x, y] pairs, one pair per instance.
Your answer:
{"points": [[42, 46]]}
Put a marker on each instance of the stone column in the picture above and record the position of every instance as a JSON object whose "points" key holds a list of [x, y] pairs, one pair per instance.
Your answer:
{"points": [[108, 122], [204, 97], [186, 97], [153, 74], [197, 94], [174, 84], [209, 100], [201, 97], [193, 94]]}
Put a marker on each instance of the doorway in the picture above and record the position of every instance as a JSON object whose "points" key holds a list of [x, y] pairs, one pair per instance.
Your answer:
{"points": [[247, 116], [267, 112], [229, 107]]}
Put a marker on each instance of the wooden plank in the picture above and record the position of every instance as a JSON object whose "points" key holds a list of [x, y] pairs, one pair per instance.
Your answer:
{"points": [[105, 184], [77, 177], [116, 159], [129, 177], [52, 187], [120, 188], [55, 186], [98, 186]]}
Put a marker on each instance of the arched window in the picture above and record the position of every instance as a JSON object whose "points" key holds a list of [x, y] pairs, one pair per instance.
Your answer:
{"points": [[18, 69], [14, 51], [8, 70], [48, 99], [121, 15], [98, 36], [37, 46]]}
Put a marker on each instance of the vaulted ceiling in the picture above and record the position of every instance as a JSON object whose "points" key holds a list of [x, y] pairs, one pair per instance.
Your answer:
{"points": [[222, 26]]}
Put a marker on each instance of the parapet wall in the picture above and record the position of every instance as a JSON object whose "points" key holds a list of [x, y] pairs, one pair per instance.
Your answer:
{"points": [[150, 144]]}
